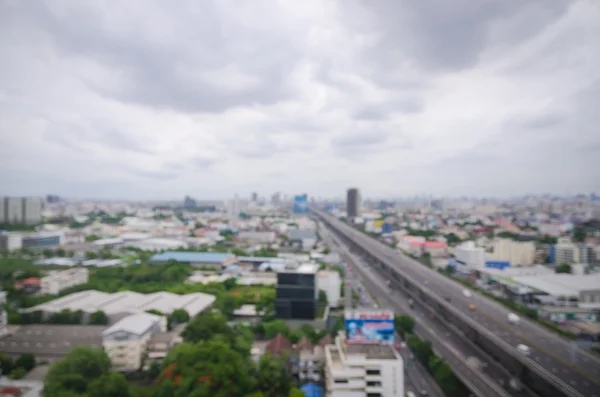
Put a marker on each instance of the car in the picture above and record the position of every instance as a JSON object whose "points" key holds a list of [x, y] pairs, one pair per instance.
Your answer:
{"points": [[524, 349], [423, 392], [467, 293]]}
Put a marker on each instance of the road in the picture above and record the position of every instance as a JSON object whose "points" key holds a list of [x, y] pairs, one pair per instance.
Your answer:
{"points": [[450, 346], [416, 377], [575, 367]]}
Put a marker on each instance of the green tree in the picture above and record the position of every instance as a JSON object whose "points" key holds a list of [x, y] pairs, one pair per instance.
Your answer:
{"points": [[323, 297], [180, 316], [326, 251], [25, 361], [17, 373], [404, 324], [579, 234], [205, 327], [92, 237], [98, 318], [564, 268], [273, 378], [295, 392], [452, 239], [266, 306], [73, 374], [228, 304], [112, 384], [6, 363]]}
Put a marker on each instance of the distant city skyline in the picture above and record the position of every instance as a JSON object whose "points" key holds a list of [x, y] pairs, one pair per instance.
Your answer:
{"points": [[397, 98]]}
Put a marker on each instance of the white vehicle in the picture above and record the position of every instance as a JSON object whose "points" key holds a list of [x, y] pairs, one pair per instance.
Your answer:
{"points": [[513, 318], [467, 293], [524, 349]]}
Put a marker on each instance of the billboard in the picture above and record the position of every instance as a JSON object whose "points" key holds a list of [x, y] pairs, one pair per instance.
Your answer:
{"points": [[301, 204], [369, 327], [387, 228], [497, 264]]}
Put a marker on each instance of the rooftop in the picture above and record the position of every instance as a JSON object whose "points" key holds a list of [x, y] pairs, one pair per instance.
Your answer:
{"points": [[128, 302], [137, 324], [373, 352], [561, 284], [191, 257], [300, 234], [278, 345], [259, 259]]}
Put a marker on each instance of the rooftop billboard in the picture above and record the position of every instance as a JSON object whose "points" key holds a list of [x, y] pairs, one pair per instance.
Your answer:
{"points": [[369, 327], [301, 204]]}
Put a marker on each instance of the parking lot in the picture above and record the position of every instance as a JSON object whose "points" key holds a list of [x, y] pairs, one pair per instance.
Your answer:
{"points": [[49, 342]]}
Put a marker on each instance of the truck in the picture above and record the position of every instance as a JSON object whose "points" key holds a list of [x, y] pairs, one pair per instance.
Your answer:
{"points": [[513, 318]]}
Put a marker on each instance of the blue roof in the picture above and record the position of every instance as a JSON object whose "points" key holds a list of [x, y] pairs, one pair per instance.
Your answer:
{"points": [[312, 390], [191, 257]]}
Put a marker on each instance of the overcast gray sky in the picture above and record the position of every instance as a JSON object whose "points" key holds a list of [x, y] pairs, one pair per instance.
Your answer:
{"points": [[157, 99]]}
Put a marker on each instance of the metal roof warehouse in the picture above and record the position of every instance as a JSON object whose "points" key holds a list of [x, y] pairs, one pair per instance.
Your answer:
{"points": [[222, 259], [127, 302]]}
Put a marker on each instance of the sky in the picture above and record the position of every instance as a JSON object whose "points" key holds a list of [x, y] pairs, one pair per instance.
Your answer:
{"points": [[155, 100]]}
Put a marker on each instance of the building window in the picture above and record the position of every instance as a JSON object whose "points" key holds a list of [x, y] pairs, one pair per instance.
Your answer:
{"points": [[340, 381], [374, 384], [374, 395], [373, 372]]}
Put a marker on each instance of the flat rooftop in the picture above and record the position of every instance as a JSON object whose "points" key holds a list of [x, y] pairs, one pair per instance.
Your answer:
{"points": [[373, 352], [191, 257], [561, 284]]}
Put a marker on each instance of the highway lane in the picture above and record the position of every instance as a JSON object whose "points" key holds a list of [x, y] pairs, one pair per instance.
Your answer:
{"points": [[445, 343], [550, 351]]}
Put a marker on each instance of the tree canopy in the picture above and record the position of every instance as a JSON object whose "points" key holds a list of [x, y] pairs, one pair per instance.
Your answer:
{"points": [[85, 371]]}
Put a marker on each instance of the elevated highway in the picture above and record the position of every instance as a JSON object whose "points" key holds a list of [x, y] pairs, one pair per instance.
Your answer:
{"points": [[555, 367]]}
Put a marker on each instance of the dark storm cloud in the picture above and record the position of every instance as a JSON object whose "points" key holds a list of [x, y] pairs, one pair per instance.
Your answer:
{"points": [[159, 75], [443, 34]]}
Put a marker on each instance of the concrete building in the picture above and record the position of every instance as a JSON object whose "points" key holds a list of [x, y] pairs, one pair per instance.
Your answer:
{"points": [[158, 244], [302, 238], [353, 202], [3, 315], [126, 342], [564, 252], [60, 280], [259, 237], [469, 255], [363, 370], [330, 282], [297, 293], [516, 252], [34, 241], [197, 259], [581, 291], [21, 210]]}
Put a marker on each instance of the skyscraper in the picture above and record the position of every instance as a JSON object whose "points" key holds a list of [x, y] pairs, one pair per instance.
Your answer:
{"points": [[353, 202]]}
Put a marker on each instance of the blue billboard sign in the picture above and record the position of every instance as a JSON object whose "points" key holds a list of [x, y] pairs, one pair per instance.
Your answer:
{"points": [[497, 264], [370, 327], [387, 228], [301, 204]]}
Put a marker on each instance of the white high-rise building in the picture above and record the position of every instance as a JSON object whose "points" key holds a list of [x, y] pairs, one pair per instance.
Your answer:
{"points": [[469, 255], [353, 370], [21, 210], [330, 282]]}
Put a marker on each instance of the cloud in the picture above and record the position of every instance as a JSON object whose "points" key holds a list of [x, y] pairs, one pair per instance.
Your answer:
{"points": [[214, 98]]}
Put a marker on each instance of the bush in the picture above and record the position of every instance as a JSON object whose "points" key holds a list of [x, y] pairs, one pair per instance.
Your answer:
{"points": [[25, 361], [17, 373]]}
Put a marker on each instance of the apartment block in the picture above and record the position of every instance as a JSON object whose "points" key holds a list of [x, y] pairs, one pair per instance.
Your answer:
{"points": [[469, 255], [60, 280], [564, 251], [516, 252], [363, 370], [21, 210], [126, 342]]}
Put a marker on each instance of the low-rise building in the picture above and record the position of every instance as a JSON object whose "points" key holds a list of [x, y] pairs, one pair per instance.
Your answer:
{"points": [[60, 280], [330, 282], [516, 252], [10, 241], [354, 370], [469, 256], [261, 237], [126, 341], [196, 259]]}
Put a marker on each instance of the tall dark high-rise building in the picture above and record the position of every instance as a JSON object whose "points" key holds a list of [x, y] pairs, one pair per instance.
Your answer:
{"points": [[353, 202], [189, 203], [297, 293]]}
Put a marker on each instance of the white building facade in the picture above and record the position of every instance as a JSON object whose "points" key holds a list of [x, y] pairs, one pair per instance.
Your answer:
{"points": [[516, 252], [126, 342], [469, 255], [57, 281], [363, 370], [330, 282]]}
